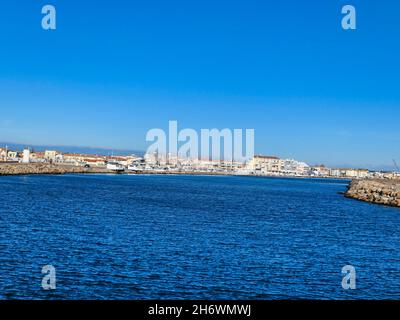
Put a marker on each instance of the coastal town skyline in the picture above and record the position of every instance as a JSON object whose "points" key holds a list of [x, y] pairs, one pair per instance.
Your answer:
{"points": [[27, 160], [14, 152], [392, 166]]}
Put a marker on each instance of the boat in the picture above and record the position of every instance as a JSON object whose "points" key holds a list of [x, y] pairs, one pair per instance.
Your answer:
{"points": [[133, 167], [115, 166]]}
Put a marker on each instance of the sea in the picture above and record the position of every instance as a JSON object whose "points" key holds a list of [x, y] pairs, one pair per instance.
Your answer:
{"points": [[193, 237]]}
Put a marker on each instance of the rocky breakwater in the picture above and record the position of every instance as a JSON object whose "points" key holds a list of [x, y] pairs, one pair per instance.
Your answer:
{"points": [[44, 168], [379, 191]]}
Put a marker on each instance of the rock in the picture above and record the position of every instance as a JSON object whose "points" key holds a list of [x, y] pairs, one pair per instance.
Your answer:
{"points": [[379, 191], [44, 168]]}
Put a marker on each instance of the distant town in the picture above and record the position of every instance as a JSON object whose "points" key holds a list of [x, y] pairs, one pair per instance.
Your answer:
{"points": [[259, 165]]}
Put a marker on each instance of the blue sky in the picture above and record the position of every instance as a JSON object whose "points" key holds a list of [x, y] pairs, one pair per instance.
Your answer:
{"points": [[115, 69]]}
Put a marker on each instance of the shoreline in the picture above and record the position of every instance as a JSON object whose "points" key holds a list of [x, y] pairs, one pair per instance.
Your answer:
{"points": [[19, 169], [23, 169]]}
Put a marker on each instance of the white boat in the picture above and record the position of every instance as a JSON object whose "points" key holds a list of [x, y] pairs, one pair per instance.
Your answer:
{"points": [[134, 168], [115, 166]]}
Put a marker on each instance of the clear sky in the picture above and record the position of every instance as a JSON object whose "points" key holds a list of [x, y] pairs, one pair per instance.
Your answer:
{"points": [[115, 69]]}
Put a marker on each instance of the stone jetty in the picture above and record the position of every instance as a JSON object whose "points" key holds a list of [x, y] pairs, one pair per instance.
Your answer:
{"points": [[379, 191], [45, 168], [9, 169]]}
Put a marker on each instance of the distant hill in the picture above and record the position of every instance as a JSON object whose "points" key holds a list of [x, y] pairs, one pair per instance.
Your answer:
{"points": [[71, 149]]}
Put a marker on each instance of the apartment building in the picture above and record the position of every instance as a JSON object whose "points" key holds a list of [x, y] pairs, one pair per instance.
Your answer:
{"points": [[265, 164], [349, 173]]}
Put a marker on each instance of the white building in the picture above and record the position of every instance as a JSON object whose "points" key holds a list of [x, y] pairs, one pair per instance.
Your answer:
{"points": [[294, 167], [3, 154], [267, 165], [26, 156], [50, 155]]}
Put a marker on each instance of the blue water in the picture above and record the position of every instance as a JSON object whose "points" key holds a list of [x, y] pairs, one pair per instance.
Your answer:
{"points": [[193, 237]]}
